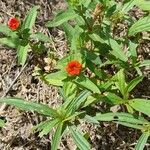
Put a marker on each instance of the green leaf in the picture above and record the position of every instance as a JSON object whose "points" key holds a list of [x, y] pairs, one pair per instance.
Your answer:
{"points": [[121, 84], [40, 126], [2, 123], [70, 90], [79, 139], [123, 117], [131, 85], [138, 71], [87, 83], [69, 30], [72, 117], [112, 98], [30, 18], [81, 99], [11, 42], [48, 127], [144, 5], [73, 105], [140, 127], [129, 109], [92, 57], [62, 17], [85, 3], [57, 137], [55, 78], [141, 105], [22, 52], [76, 41], [145, 63], [132, 48], [141, 25], [117, 50], [91, 119], [64, 61], [30, 106], [41, 37], [90, 100], [95, 37], [142, 141], [127, 6], [6, 31]]}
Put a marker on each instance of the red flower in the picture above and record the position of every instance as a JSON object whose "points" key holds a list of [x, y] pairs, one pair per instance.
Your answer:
{"points": [[13, 23], [74, 67]]}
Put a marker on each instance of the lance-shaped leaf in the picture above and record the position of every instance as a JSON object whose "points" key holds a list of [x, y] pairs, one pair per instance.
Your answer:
{"points": [[47, 126], [57, 137], [22, 52], [6, 31], [41, 37], [133, 52], [143, 4], [72, 105], [79, 139], [117, 50], [85, 3], [30, 18], [79, 100], [95, 37], [70, 90], [91, 119], [145, 63], [88, 84], [141, 105], [131, 125], [55, 78], [72, 117], [62, 18], [142, 141], [140, 26], [112, 98], [131, 85], [127, 6], [121, 84], [123, 117], [69, 30], [11, 42], [30, 106]]}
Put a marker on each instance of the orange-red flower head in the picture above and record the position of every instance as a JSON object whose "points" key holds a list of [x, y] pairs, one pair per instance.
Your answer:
{"points": [[13, 23], [74, 68]]}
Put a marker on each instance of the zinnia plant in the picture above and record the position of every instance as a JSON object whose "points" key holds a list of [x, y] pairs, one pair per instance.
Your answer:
{"points": [[108, 61]]}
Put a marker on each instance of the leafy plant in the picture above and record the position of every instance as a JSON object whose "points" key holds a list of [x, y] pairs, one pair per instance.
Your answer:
{"points": [[21, 38], [101, 67]]}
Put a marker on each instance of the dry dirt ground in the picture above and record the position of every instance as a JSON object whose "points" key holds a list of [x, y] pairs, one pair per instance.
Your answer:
{"points": [[17, 135]]}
